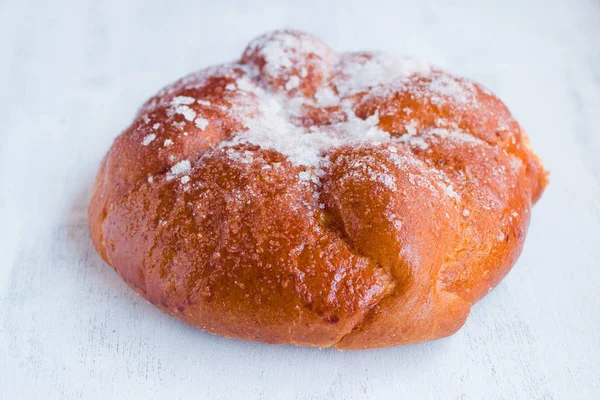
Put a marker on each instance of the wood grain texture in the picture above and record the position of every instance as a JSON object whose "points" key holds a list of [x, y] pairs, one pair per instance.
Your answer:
{"points": [[72, 76]]}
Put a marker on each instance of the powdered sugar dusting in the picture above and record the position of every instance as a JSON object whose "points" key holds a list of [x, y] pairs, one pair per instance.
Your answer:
{"points": [[326, 97], [282, 50], [274, 130], [201, 123], [445, 86], [411, 136], [387, 179], [304, 176], [393, 218], [187, 112], [179, 168], [451, 193], [148, 139], [411, 127], [275, 119], [378, 69], [292, 83], [182, 100], [450, 136]]}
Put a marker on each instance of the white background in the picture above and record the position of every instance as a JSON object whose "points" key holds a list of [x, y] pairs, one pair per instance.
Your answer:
{"points": [[72, 74]]}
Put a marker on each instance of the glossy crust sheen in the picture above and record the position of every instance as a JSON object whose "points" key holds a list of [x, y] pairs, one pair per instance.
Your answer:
{"points": [[240, 245]]}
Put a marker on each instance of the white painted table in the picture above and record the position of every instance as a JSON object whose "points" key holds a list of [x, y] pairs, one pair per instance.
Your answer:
{"points": [[71, 77]]}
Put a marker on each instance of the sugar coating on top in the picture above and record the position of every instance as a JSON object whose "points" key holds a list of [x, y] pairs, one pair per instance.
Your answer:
{"points": [[201, 123], [270, 115], [281, 50], [377, 69], [273, 129], [178, 169], [148, 139], [273, 126]]}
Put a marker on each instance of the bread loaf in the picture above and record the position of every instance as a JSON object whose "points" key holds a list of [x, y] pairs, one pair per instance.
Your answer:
{"points": [[301, 196]]}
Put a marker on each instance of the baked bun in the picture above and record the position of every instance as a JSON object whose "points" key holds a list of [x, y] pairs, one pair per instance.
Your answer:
{"points": [[300, 196]]}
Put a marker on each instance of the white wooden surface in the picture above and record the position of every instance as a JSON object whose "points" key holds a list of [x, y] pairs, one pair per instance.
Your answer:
{"points": [[71, 77]]}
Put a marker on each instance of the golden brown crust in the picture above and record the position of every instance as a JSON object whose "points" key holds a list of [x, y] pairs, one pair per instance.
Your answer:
{"points": [[205, 208]]}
